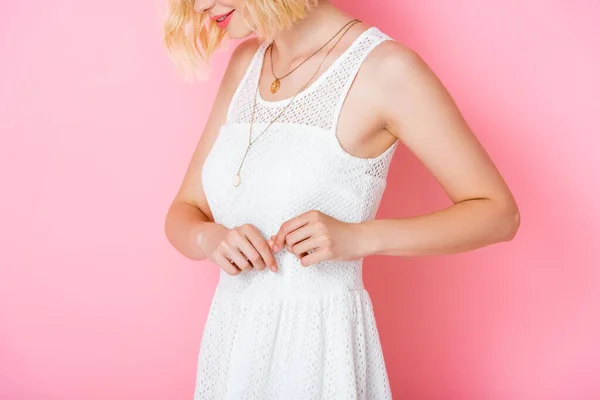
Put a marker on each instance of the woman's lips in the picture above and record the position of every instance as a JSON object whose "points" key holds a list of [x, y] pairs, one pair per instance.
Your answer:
{"points": [[223, 24]]}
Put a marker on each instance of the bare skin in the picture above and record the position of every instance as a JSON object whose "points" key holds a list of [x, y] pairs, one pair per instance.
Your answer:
{"points": [[395, 96]]}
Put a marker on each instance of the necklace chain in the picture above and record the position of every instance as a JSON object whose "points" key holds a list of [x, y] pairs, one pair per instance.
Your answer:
{"points": [[237, 177], [277, 82]]}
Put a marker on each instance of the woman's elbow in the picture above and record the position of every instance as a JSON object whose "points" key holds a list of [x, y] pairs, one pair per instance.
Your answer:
{"points": [[511, 221]]}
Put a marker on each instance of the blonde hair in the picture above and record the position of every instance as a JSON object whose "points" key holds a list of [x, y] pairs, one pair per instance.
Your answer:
{"points": [[192, 38]]}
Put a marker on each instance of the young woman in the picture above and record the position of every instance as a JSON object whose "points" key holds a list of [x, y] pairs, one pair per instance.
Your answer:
{"points": [[283, 187]]}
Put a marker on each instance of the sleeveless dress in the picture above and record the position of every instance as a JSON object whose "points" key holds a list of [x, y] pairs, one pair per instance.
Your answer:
{"points": [[303, 332]]}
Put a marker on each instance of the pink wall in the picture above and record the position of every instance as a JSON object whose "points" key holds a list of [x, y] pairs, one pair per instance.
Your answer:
{"points": [[97, 129]]}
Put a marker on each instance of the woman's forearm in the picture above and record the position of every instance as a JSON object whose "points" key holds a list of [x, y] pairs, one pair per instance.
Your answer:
{"points": [[184, 224], [461, 227]]}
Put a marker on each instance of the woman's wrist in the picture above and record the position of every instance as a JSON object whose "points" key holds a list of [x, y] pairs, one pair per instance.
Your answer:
{"points": [[367, 238], [202, 233]]}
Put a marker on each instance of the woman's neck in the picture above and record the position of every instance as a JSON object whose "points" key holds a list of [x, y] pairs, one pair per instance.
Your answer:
{"points": [[308, 34]]}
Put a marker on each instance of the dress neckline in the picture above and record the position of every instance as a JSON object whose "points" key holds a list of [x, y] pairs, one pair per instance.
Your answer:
{"points": [[315, 83]]}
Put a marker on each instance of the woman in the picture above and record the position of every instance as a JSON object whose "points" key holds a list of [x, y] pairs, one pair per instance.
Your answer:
{"points": [[283, 187]]}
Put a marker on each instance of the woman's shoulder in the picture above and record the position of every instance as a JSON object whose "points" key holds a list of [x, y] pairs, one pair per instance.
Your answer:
{"points": [[247, 47], [393, 61], [239, 61], [390, 51], [242, 55]]}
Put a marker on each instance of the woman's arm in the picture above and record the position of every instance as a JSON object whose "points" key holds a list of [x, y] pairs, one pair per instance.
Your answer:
{"points": [[189, 216], [417, 108]]}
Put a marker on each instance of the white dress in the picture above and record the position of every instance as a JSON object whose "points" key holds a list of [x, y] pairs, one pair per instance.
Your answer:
{"points": [[303, 332]]}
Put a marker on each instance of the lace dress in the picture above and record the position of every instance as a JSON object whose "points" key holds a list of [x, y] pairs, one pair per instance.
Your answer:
{"points": [[303, 332]]}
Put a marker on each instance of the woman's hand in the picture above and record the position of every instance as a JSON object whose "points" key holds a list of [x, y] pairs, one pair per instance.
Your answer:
{"points": [[238, 249], [325, 237]]}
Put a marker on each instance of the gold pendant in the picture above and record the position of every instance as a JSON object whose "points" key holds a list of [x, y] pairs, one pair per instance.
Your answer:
{"points": [[237, 180], [275, 86]]}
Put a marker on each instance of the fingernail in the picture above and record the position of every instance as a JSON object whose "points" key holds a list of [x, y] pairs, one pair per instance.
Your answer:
{"points": [[275, 248], [274, 268]]}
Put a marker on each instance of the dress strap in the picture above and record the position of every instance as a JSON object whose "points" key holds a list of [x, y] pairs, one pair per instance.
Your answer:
{"points": [[241, 98], [347, 71]]}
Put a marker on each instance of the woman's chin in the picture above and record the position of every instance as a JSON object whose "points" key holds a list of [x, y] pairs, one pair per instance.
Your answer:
{"points": [[238, 32]]}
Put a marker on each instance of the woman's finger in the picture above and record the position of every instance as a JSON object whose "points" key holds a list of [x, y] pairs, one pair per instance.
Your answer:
{"points": [[305, 246], [250, 252], [272, 243], [299, 235], [225, 264], [289, 226], [234, 254], [314, 257], [260, 244]]}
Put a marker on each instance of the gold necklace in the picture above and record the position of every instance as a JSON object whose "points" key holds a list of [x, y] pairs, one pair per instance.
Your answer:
{"points": [[237, 179], [277, 82]]}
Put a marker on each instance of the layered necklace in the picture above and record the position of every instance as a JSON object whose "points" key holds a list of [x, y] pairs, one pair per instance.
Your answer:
{"points": [[277, 82], [237, 179]]}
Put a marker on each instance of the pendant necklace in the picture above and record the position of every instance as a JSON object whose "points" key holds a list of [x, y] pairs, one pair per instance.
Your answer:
{"points": [[237, 179], [277, 82]]}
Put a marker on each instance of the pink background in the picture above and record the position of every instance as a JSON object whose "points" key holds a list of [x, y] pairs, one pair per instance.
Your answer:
{"points": [[96, 132]]}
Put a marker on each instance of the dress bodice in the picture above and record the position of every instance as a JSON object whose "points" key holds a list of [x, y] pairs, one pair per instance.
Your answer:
{"points": [[299, 164]]}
